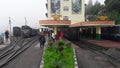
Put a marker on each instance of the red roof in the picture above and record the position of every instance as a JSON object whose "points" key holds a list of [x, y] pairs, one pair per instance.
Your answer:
{"points": [[93, 23], [54, 22]]}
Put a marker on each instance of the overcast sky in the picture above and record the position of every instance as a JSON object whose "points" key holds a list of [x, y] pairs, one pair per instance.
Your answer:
{"points": [[33, 10]]}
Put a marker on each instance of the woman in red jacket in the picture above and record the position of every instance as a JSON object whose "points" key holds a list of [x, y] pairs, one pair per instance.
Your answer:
{"points": [[60, 35]]}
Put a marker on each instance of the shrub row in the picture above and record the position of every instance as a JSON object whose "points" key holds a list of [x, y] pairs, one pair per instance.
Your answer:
{"points": [[59, 56]]}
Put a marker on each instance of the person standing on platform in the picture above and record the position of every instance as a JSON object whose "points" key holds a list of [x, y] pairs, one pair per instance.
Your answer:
{"points": [[42, 40], [57, 36], [6, 35], [60, 35], [53, 36]]}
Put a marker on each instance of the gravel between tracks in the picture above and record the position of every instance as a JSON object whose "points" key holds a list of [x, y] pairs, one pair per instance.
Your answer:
{"points": [[28, 59]]}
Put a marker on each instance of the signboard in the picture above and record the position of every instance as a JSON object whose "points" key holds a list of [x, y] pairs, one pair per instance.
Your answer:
{"points": [[102, 17], [56, 17]]}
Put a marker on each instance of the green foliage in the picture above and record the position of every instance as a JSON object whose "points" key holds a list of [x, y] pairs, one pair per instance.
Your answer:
{"points": [[114, 16], [68, 45], [60, 42], [60, 45], [54, 59], [113, 10], [93, 10], [113, 5], [50, 43]]}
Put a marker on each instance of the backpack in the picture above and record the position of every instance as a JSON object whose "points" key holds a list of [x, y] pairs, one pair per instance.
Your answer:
{"points": [[43, 39]]}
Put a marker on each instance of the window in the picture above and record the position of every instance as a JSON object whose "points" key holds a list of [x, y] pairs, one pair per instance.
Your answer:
{"points": [[55, 6], [65, 8], [66, 0], [76, 6], [65, 17]]}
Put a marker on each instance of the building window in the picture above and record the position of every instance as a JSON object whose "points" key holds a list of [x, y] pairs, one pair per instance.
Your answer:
{"points": [[65, 17], [65, 8], [55, 6], [76, 6], [66, 0]]}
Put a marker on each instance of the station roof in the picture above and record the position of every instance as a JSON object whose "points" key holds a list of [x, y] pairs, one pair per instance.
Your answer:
{"points": [[93, 23], [54, 22]]}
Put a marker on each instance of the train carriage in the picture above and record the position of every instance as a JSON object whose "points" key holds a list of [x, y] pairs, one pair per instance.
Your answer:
{"points": [[34, 32], [16, 31], [111, 33]]}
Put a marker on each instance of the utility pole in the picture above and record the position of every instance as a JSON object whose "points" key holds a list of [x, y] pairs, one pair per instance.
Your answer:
{"points": [[10, 29], [25, 21]]}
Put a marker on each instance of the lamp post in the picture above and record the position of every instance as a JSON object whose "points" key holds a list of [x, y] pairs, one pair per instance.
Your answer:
{"points": [[10, 29]]}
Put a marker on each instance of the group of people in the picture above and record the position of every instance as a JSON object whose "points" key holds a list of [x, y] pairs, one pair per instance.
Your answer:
{"points": [[51, 36], [54, 37]]}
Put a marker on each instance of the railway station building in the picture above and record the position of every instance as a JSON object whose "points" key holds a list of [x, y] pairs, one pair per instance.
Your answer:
{"points": [[63, 13], [70, 13]]}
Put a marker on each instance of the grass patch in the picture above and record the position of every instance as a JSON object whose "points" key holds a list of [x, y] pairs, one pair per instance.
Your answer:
{"points": [[59, 56]]}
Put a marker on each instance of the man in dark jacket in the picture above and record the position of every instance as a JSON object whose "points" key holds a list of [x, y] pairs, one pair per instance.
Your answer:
{"points": [[42, 40], [6, 35]]}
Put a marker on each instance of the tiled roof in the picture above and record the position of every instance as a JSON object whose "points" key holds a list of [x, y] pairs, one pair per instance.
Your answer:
{"points": [[93, 23], [54, 22]]}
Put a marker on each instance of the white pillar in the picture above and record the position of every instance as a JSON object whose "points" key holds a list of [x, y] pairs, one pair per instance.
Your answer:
{"points": [[55, 30]]}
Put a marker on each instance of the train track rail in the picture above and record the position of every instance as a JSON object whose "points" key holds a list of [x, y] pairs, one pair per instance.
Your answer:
{"points": [[10, 45], [99, 51], [17, 48], [11, 48]]}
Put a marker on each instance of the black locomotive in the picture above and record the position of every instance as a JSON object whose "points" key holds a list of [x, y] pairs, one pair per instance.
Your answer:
{"points": [[27, 31], [24, 31], [16, 31]]}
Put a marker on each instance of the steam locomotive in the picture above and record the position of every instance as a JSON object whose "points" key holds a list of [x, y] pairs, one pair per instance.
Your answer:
{"points": [[25, 31]]}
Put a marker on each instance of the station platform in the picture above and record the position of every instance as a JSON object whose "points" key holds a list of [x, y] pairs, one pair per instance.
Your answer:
{"points": [[4, 44], [104, 43]]}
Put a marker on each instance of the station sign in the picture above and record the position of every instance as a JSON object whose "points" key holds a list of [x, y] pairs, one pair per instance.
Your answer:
{"points": [[56, 17], [103, 18]]}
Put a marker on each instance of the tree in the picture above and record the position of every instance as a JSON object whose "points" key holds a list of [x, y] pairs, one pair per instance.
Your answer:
{"points": [[94, 10], [114, 16], [112, 5], [113, 10]]}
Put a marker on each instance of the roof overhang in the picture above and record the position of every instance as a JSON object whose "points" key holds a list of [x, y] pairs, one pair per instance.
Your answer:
{"points": [[93, 23], [54, 22]]}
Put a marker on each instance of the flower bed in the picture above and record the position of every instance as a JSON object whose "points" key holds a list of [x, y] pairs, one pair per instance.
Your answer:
{"points": [[59, 55]]}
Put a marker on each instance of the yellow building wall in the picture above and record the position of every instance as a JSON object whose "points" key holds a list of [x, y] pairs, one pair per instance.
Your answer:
{"points": [[73, 17]]}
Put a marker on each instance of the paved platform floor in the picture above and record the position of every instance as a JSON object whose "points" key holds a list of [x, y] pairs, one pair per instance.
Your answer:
{"points": [[4, 44], [105, 43], [89, 59]]}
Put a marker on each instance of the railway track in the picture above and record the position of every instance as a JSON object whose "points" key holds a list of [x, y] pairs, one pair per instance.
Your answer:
{"points": [[10, 45], [99, 51], [16, 48]]}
